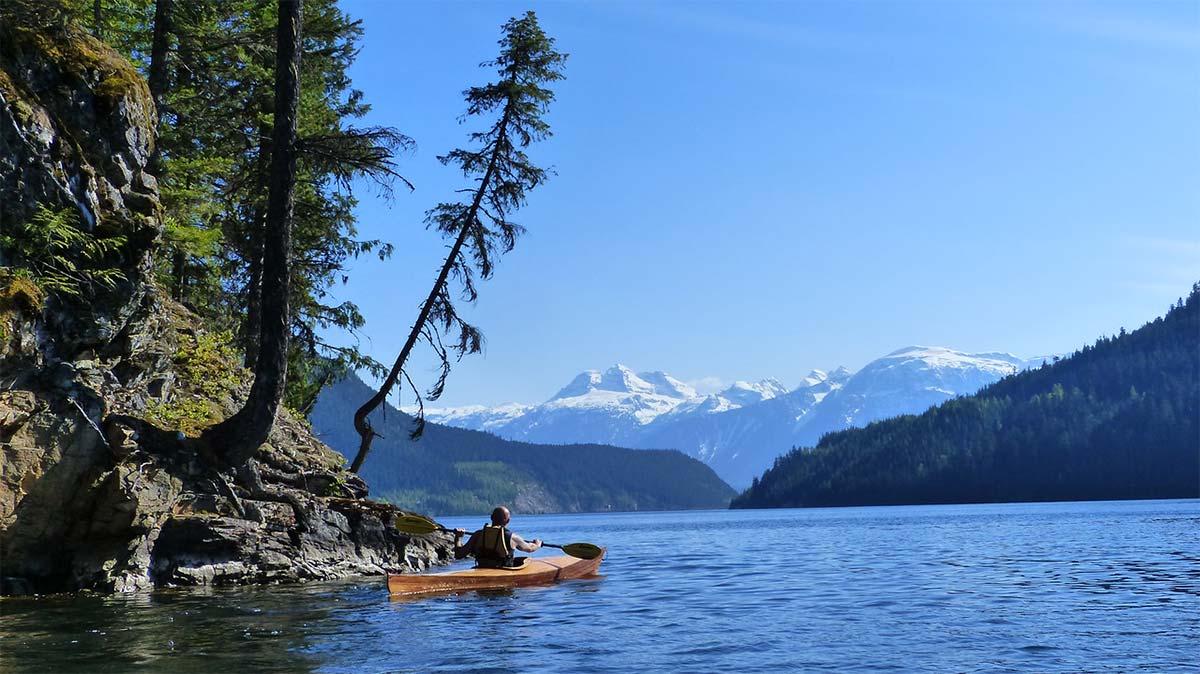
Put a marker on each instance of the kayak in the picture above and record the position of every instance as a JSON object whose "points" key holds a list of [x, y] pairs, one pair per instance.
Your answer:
{"points": [[535, 571]]}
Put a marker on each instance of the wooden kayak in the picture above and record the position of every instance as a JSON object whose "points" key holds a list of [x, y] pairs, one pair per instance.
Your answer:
{"points": [[536, 571]]}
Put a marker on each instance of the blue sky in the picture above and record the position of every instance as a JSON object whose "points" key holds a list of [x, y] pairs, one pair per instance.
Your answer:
{"points": [[757, 189]]}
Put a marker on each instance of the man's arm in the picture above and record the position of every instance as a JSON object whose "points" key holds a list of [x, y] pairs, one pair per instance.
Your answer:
{"points": [[461, 551], [520, 544]]}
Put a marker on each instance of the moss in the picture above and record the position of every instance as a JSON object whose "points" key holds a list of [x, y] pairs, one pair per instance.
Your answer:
{"points": [[13, 96], [206, 366], [80, 54], [36, 29], [19, 293], [19, 296]]}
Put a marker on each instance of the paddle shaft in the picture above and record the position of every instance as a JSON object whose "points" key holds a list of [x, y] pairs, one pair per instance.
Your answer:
{"points": [[419, 525], [544, 545]]}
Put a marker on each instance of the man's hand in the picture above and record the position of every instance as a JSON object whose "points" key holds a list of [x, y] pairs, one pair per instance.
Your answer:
{"points": [[459, 533], [537, 543]]}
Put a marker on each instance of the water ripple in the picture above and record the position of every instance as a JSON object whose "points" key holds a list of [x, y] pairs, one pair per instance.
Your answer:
{"points": [[985, 588]]}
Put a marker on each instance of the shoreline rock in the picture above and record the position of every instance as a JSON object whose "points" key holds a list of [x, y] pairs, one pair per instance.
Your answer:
{"points": [[93, 496]]}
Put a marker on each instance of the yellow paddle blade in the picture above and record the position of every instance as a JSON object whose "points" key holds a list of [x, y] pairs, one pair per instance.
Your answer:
{"points": [[583, 550], [416, 525]]}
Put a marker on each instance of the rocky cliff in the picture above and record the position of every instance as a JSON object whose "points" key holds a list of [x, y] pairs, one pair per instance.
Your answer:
{"points": [[104, 385]]}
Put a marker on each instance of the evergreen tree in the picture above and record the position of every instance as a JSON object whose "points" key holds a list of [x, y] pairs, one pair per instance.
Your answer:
{"points": [[240, 435], [479, 225], [210, 67]]}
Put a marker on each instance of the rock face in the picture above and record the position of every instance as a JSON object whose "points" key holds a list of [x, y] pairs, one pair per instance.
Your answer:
{"points": [[101, 485], [76, 129]]}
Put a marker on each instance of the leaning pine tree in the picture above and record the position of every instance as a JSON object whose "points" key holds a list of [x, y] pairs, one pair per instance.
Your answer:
{"points": [[479, 225]]}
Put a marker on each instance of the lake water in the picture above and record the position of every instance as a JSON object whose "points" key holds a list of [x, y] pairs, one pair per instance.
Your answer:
{"points": [[1071, 587]]}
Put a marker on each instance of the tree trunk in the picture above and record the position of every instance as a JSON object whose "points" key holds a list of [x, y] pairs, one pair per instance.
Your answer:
{"points": [[97, 20], [361, 425], [178, 276], [160, 43], [252, 324], [239, 437]]}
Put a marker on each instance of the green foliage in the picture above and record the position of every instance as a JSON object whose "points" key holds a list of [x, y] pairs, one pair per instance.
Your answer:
{"points": [[456, 471], [501, 175], [207, 378], [337, 486], [47, 26], [1115, 420], [501, 168], [62, 259], [214, 151], [494, 481], [188, 259]]}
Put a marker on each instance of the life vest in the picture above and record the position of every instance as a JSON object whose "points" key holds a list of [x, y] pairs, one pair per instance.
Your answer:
{"points": [[495, 547]]}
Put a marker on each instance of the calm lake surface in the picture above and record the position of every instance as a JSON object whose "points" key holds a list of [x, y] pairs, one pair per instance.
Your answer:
{"points": [[1094, 587]]}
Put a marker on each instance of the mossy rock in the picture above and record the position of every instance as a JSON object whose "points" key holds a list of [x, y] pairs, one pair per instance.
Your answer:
{"points": [[40, 26], [18, 293], [20, 298]]}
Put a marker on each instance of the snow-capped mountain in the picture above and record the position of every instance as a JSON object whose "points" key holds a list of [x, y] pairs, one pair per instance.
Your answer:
{"points": [[611, 406], [906, 381], [740, 430], [739, 443], [911, 380], [740, 394], [478, 417], [607, 407], [620, 380]]}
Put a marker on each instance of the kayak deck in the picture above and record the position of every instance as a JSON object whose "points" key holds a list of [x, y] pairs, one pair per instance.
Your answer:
{"points": [[535, 571]]}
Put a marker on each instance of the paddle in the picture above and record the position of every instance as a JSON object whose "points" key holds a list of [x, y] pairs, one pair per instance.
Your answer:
{"points": [[419, 526]]}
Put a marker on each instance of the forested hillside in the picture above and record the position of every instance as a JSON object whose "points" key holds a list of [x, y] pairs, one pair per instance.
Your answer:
{"points": [[456, 471], [1116, 420]]}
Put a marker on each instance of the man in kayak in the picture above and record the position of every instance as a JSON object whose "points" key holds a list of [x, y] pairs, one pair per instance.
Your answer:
{"points": [[494, 544]]}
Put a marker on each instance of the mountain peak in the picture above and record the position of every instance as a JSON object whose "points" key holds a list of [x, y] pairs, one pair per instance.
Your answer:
{"points": [[916, 350], [623, 380], [738, 429], [743, 393], [666, 385], [825, 380], [815, 377], [944, 357]]}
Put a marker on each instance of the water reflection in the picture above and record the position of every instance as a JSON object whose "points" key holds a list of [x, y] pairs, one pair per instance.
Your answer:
{"points": [[201, 630]]}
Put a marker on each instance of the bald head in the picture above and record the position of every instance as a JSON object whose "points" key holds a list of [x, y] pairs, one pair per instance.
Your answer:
{"points": [[500, 516]]}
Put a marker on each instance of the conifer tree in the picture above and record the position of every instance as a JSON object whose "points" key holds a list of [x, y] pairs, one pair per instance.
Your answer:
{"points": [[210, 67], [479, 225], [239, 436]]}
